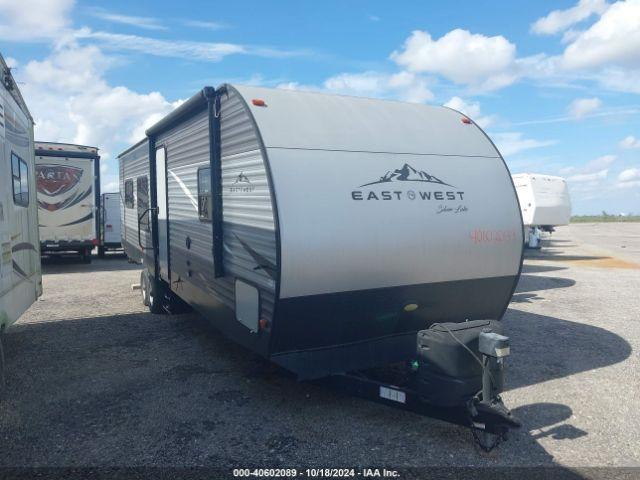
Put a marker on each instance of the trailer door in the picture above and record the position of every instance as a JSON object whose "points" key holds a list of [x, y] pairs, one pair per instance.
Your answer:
{"points": [[163, 225]]}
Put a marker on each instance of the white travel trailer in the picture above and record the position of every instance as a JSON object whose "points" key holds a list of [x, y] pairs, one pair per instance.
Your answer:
{"points": [[68, 179], [333, 234], [20, 276], [545, 204], [110, 225]]}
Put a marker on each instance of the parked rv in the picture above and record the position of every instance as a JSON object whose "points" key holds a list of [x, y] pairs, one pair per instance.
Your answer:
{"points": [[68, 179], [336, 235], [110, 225], [134, 195], [544, 202], [20, 276]]}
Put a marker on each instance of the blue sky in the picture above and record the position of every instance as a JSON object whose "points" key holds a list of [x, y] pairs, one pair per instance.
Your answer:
{"points": [[555, 84]]}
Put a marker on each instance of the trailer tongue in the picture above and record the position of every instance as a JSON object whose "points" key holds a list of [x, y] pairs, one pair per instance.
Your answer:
{"points": [[457, 376]]}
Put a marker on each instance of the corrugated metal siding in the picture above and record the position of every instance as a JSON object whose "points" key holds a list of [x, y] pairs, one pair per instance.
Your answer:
{"points": [[247, 216], [133, 164], [247, 212], [187, 149]]}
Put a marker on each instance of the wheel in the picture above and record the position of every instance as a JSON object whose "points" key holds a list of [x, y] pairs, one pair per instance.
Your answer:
{"points": [[85, 255], [155, 296], [144, 288]]}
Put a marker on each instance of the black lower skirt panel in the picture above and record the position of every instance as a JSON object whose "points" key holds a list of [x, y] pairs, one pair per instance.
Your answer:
{"points": [[320, 335]]}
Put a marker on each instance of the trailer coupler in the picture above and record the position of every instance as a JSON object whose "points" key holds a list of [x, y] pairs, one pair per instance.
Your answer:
{"points": [[426, 392]]}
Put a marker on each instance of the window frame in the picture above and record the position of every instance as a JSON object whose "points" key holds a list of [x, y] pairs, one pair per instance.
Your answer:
{"points": [[142, 207], [20, 198], [129, 201], [201, 217]]}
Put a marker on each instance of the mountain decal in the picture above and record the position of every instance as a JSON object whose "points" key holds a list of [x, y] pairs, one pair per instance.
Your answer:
{"points": [[407, 174], [242, 178]]}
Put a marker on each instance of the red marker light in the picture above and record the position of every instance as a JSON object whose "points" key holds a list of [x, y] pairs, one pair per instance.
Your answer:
{"points": [[465, 120], [258, 102], [263, 323]]}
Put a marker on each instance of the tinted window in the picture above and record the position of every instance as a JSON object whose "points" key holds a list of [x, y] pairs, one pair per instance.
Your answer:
{"points": [[128, 194], [204, 194], [20, 177], [142, 185]]}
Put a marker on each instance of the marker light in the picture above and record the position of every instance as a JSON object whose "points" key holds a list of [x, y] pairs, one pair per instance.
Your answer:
{"points": [[263, 323], [410, 307], [465, 120], [258, 102]]}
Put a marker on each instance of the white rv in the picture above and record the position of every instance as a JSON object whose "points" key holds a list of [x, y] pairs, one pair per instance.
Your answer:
{"points": [[544, 202], [326, 232], [109, 223], [20, 276], [68, 179]]}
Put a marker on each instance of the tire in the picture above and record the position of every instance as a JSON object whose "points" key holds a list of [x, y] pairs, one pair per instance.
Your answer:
{"points": [[155, 297], [145, 287], [85, 255]]}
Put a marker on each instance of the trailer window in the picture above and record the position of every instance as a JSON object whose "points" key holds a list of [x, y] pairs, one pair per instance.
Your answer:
{"points": [[20, 177], [204, 194], [128, 194], [142, 185]]}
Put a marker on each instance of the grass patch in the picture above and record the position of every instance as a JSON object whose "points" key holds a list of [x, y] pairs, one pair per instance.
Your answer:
{"points": [[604, 217]]}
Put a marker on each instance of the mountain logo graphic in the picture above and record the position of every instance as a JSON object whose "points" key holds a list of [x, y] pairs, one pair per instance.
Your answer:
{"points": [[407, 174], [242, 178], [53, 180], [242, 184]]}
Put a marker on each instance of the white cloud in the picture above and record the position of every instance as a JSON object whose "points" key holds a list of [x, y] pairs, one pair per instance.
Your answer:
{"points": [[629, 175], [11, 62], [404, 86], [614, 40], [112, 186], [483, 62], [510, 143], [621, 80], [148, 23], [582, 107], [30, 20], [471, 110], [630, 142], [374, 18], [207, 51], [559, 20], [205, 24], [629, 178], [592, 166], [589, 177], [72, 102]]}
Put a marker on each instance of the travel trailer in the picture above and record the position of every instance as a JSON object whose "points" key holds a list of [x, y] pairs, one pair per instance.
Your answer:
{"points": [[544, 202], [20, 276], [336, 236], [110, 237], [134, 200], [68, 179]]}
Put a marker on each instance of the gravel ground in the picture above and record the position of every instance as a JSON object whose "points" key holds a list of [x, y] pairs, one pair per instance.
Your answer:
{"points": [[95, 380]]}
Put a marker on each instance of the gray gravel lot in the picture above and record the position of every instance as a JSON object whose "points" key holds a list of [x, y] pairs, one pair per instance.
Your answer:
{"points": [[93, 379]]}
